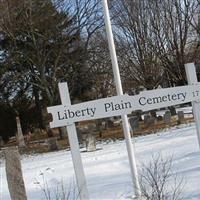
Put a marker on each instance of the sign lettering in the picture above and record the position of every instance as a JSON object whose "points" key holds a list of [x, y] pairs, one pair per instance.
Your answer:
{"points": [[113, 106]]}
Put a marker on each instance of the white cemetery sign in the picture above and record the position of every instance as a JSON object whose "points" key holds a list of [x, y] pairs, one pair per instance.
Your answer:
{"points": [[66, 114], [125, 104]]}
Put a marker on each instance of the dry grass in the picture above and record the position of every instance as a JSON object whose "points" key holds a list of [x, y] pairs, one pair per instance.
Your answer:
{"points": [[37, 143]]}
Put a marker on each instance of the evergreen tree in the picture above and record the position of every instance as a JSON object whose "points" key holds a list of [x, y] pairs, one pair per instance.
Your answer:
{"points": [[40, 46]]}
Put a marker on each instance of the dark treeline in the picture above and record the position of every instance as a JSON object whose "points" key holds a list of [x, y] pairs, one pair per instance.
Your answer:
{"points": [[46, 42]]}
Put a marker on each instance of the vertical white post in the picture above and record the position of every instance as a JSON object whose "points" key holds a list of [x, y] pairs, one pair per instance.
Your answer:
{"points": [[129, 145], [74, 145], [192, 79]]}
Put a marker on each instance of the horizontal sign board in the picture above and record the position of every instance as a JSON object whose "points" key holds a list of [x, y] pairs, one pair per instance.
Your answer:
{"points": [[118, 105]]}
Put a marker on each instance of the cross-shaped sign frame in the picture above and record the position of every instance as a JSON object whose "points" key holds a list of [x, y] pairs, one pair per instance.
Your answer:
{"points": [[119, 105]]}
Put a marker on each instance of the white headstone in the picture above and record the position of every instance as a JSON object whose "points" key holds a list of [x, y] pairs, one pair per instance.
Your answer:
{"points": [[167, 117], [90, 142], [181, 118]]}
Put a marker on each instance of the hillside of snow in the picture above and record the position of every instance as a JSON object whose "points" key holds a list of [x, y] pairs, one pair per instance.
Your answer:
{"points": [[107, 169]]}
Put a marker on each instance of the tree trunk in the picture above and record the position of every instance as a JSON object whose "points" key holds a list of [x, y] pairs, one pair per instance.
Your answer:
{"points": [[39, 108]]}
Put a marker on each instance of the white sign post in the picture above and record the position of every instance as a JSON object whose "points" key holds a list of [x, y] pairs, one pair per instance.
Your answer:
{"points": [[125, 124], [74, 145], [192, 79]]}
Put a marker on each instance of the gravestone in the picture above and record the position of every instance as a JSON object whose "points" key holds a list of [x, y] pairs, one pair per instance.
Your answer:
{"points": [[14, 175], [80, 135], [90, 142], [181, 118], [159, 118], [167, 117], [103, 124], [92, 127], [1, 142], [52, 144], [149, 120], [63, 132], [100, 126], [109, 123], [153, 114], [146, 118], [172, 110], [134, 123], [138, 113], [19, 135]]}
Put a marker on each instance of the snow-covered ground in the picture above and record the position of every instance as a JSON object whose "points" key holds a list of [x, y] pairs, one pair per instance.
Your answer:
{"points": [[107, 170]]}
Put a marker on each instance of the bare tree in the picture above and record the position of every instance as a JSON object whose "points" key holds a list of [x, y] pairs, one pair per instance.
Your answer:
{"points": [[173, 36], [155, 39], [135, 40], [158, 182], [100, 63], [89, 19], [60, 192]]}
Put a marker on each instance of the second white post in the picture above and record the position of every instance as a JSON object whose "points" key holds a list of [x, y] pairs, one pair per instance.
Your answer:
{"points": [[126, 129]]}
